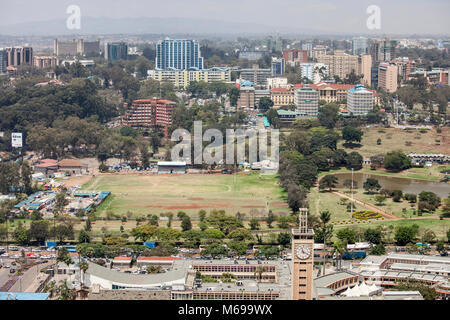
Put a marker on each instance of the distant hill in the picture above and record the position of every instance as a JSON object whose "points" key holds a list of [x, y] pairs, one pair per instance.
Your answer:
{"points": [[103, 25]]}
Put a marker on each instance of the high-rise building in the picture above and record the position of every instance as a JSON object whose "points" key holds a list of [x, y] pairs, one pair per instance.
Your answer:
{"points": [[359, 100], [388, 77], [295, 56], [360, 46], [306, 101], [42, 62], [256, 75], [384, 50], [340, 64], [315, 72], [278, 67], [365, 67], [302, 259], [178, 54], [3, 61], [17, 56], [246, 98], [116, 51], [76, 47], [148, 113]]}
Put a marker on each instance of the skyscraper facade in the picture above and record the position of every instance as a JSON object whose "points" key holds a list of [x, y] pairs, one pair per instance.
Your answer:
{"points": [[306, 101], [388, 77], [178, 54], [278, 66], [360, 46], [17, 56], [116, 51], [3, 61]]}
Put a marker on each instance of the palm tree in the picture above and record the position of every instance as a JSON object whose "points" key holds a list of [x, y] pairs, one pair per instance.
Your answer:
{"points": [[83, 268], [259, 271], [325, 217], [339, 249]]}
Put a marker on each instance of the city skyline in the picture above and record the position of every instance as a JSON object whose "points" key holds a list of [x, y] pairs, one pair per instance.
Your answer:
{"points": [[288, 17]]}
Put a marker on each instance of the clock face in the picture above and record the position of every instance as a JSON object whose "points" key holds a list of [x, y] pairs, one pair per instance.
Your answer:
{"points": [[303, 252]]}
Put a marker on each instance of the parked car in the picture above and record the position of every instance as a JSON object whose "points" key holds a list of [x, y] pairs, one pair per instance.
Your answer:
{"points": [[12, 270]]}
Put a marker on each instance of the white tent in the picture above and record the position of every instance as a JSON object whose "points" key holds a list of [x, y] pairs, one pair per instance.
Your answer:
{"points": [[364, 289]]}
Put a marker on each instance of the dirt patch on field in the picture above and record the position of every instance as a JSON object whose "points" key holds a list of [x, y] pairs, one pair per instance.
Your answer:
{"points": [[196, 199], [279, 204], [254, 207], [190, 206]]}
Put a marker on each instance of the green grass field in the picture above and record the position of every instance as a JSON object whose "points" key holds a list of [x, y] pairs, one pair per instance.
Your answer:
{"points": [[155, 194]]}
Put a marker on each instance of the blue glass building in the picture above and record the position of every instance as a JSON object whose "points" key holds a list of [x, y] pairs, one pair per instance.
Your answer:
{"points": [[178, 54]]}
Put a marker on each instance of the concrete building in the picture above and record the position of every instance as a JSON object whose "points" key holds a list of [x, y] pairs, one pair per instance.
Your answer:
{"points": [[287, 117], [359, 100], [282, 97], [116, 51], [278, 67], [17, 56], [405, 68], [178, 54], [365, 69], [252, 55], [307, 101], [319, 50], [383, 50], [76, 47], [147, 113], [43, 62], [360, 46], [182, 78], [277, 83], [72, 166], [294, 57], [246, 98], [435, 76], [259, 94], [388, 77], [340, 64], [256, 75], [316, 72]]}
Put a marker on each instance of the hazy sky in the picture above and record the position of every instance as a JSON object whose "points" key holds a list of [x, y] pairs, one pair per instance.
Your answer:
{"points": [[397, 16]]}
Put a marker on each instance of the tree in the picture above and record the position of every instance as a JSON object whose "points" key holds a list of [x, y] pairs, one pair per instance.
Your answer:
{"points": [[328, 182], [202, 215], [354, 161], [254, 224], [397, 195], [296, 197], [186, 223], [373, 235], [39, 230], [62, 232], [20, 235], [64, 256], [238, 247], [347, 235], [329, 115], [88, 226], [284, 238], [271, 218], [84, 237], [84, 266], [351, 134], [380, 199], [144, 232], [428, 236], [405, 234], [215, 250], [428, 201], [378, 250], [265, 103], [240, 234], [371, 185], [397, 161], [427, 292], [214, 234]]}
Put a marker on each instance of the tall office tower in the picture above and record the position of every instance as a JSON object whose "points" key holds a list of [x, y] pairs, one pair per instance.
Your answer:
{"points": [[302, 259], [178, 54], [360, 46], [74, 47], [3, 61], [340, 64], [295, 56], [17, 56], [116, 51], [384, 50], [365, 68], [316, 72], [306, 101], [359, 100], [388, 77], [278, 67]]}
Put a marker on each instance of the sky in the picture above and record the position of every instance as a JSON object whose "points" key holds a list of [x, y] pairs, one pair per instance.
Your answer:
{"points": [[346, 16]]}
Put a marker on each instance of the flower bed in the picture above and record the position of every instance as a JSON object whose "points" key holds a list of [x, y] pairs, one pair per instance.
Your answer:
{"points": [[366, 215]]}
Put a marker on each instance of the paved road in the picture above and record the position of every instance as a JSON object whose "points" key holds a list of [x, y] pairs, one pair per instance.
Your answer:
{"points": [[4, 276]]}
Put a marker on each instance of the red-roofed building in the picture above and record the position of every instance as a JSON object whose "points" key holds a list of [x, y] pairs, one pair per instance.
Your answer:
{"points": [[122, 262], [282, 97]]}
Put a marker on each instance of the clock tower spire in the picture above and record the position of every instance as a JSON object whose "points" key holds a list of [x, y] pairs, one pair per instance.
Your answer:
{"points": [[302, 259]]}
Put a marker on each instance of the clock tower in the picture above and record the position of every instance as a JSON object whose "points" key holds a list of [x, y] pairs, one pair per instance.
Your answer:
{"points": [[302, 259]]}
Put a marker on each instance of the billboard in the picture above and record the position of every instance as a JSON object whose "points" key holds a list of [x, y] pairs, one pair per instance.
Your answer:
{"points": [[16, 140]]}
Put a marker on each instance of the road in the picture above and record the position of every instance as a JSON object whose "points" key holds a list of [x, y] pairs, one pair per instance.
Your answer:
{"points": [[4, 276]]}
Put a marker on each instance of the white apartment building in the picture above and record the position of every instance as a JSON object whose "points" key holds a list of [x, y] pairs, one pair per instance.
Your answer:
{"points": [[359, 100], [307, 101], [182, 78], [277, 82], [316, 72]]}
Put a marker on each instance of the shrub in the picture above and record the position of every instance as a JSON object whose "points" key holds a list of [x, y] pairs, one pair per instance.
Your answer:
{"points": [[366, 215]]}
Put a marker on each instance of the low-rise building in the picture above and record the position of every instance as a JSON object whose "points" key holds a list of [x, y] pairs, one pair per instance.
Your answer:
{"points": [[359, 100]]}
